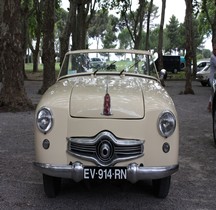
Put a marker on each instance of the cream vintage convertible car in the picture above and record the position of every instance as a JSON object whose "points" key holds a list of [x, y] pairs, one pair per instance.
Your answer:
{"points": [[112, 122]]}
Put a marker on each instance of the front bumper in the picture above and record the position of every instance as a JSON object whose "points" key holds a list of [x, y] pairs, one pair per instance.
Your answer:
{"points": [[134, 172]]}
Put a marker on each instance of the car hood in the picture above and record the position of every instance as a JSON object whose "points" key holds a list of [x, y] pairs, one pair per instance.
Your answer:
{"points": [[130, 96], [88, 97]]}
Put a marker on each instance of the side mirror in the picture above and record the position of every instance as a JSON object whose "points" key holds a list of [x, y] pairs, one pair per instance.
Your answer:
{"points": [[163, 76]]}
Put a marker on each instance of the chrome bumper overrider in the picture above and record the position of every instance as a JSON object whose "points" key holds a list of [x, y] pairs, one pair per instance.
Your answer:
{"points": [[134, 172]]}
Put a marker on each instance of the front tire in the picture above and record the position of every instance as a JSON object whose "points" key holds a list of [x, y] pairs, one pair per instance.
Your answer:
{"points": [[52, 185], [204, 84], [161, 187]]}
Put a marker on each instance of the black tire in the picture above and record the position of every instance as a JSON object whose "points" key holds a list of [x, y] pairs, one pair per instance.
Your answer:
{"points": [[182, 65], [161, 187], [52, 185], [204, 84], [214, 118]]}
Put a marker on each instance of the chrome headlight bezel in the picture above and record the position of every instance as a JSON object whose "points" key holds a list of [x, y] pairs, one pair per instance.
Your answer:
{"points": [[44, 120], [166, 123]]}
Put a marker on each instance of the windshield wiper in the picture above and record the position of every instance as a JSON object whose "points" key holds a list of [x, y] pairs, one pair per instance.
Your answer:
{"points": [[110, 65], [121, 72], [107, 68], [128, 68], [134, 64], [95, 72]]}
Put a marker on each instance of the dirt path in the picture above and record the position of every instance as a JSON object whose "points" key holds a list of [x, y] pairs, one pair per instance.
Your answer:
{"points": [[193, 187]]}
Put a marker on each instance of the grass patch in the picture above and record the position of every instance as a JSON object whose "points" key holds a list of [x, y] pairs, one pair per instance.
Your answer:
{"points": [[178, 76], [120, 66], [29, 67]]}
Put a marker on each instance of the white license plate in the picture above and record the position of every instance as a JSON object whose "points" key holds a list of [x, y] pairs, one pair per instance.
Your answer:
{"points": [[99, 173]]}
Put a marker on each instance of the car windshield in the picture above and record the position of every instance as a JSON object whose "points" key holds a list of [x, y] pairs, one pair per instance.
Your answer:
{"points": [[97, 61]]}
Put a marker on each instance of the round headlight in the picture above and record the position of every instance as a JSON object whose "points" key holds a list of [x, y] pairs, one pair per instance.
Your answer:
{"points": [[44, 120], [167, 124]]}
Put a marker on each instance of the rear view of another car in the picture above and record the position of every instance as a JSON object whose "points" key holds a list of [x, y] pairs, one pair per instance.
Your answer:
{"points": [[202, 64], [203, 76], [97, 62]]}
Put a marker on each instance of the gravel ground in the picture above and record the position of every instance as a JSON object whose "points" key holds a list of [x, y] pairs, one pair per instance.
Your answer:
{"points": [[193, 186]]}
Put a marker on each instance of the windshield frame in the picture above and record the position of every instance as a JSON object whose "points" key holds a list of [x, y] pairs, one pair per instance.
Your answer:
{"points": [[95, 71]]}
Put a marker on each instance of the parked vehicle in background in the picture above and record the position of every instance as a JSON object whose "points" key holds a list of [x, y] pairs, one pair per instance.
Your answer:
{"points": [[201, 64], [172, 63], [97, 62], [182, 62], [203, 75], [116, 122]]}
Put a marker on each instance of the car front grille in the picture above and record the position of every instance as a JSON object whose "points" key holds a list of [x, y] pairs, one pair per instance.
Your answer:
{"points": [[105, 149]]}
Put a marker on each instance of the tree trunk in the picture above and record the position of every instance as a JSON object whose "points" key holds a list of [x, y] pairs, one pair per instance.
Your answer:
{"points": [[139, 23], [80, 23], [148, 25], [24, 19], [189, 45], [38, 6], [1, 19], [65, 36], [80, 14], [12, 96], [48, 56], [160, 40]]}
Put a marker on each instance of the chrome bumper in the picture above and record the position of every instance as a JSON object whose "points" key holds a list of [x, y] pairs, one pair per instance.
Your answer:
{"points": [[134, 172]]}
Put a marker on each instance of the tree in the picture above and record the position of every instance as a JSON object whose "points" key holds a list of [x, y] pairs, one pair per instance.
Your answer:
{"points": [[206, 53], [12, 96], [209, 8], [48, 56], [79, 17], [1, 20], [160, 41], [35, 28], [81, 20], [66, 32], [189, 45], [173, 33], [109, 37], [148, 25], [98, 25], [26, 11], [124, 39], [137, 19]]}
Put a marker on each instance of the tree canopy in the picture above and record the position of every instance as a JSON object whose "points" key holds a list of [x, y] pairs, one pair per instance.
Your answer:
{"points": [[86, 20]]}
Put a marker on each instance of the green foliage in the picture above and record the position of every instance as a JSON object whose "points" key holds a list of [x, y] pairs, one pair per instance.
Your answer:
{"points": [[206, 53], [98, 24], [109, 38], [112, 30], [206, 16], [173, 32], [60, 22], [204, 26], [124, 39]]}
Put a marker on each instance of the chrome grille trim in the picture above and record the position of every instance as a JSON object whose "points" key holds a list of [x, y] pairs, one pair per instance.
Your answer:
{"points": [[90, 148]]}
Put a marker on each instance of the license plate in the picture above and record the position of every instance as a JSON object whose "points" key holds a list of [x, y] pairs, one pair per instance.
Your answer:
{"points": [[109, 173]]}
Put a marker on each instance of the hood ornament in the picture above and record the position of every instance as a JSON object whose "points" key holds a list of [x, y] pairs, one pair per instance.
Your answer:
{"points": [[107, 103]]}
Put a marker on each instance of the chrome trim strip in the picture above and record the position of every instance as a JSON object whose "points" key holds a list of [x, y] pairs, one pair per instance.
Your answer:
{"points": [[93, 140], [92, 154], [134, 171]]}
